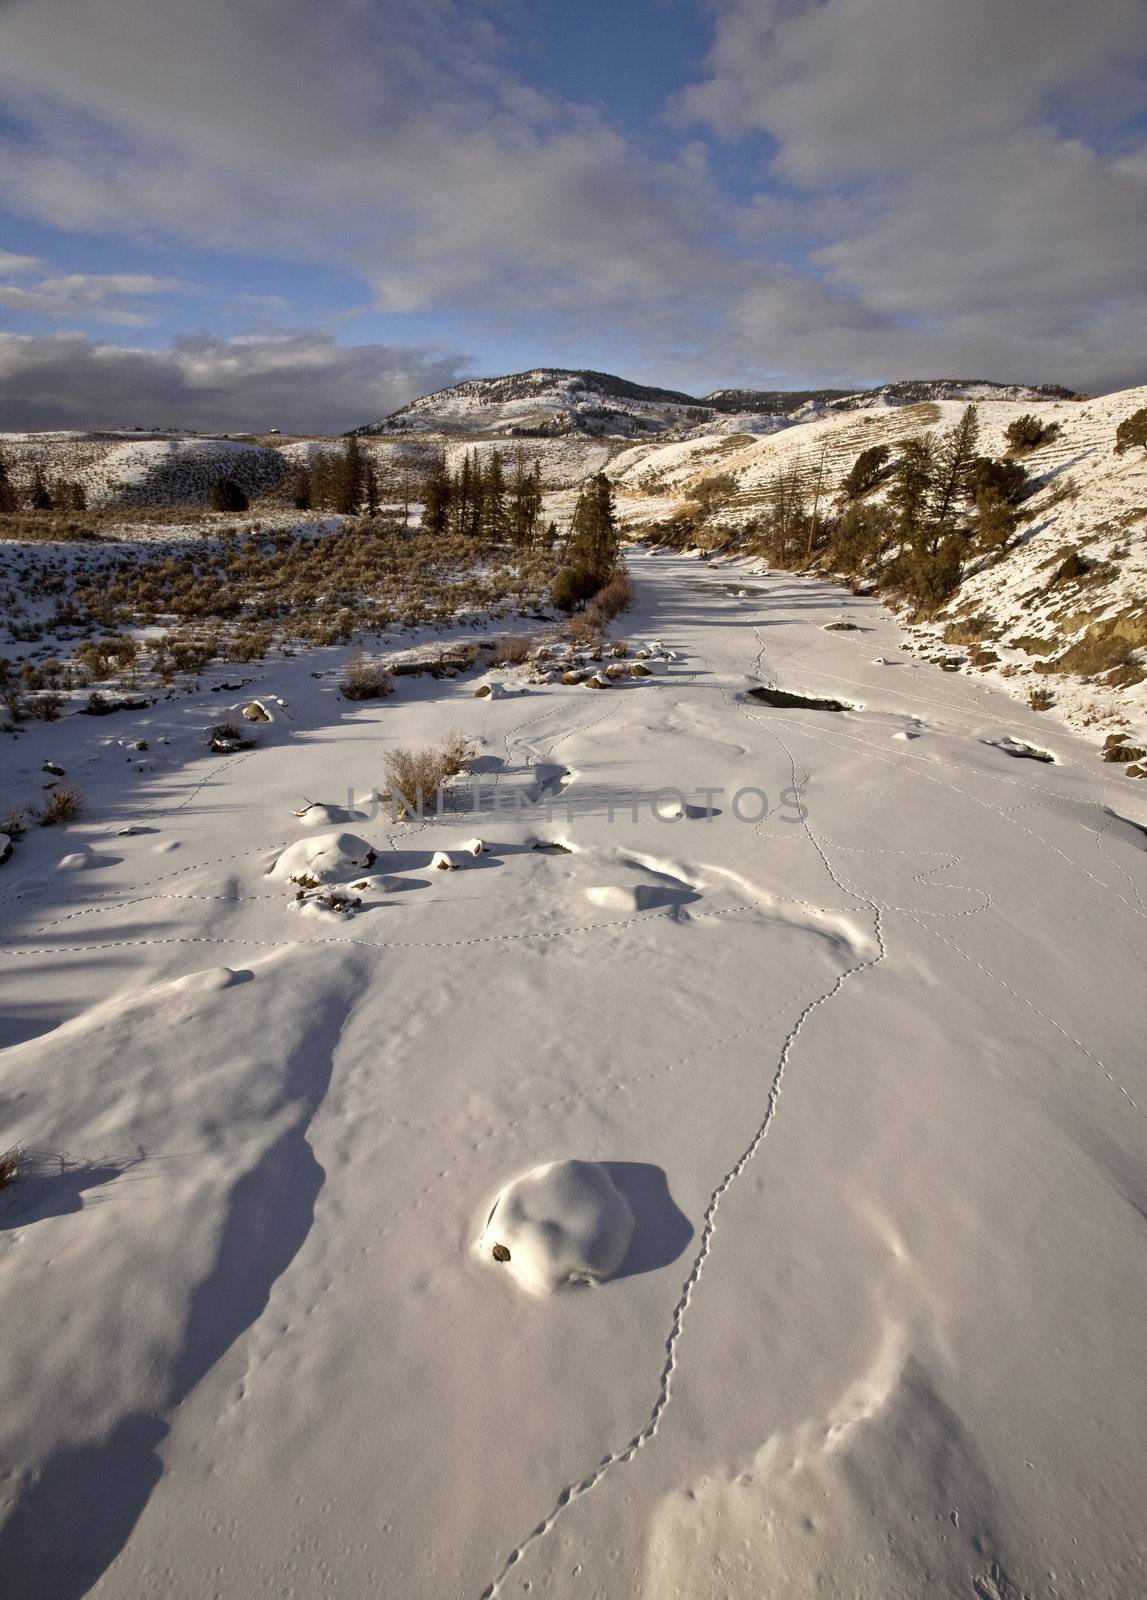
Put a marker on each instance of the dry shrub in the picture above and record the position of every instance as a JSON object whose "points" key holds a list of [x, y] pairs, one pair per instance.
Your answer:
{"points": [[14, 823], [1090, 655], [584, 630], [365, 680], [62, 804], [615, 596], [225, 737], [414, 778], [11, 1161], [457, 752], [509, 650]]}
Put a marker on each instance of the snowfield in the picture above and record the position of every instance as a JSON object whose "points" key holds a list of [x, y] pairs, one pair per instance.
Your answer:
{"points": [[840, 1059]]}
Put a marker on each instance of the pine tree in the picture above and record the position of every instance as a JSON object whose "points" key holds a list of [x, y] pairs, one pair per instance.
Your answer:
{"points": [[370, 488], [525, 500], [1132, 431], [226, 495], [867, 471], [39, 499], [322, 480], [911, 492], [350, 474], [437, 494], [7, 493], [593, 531], [493, 504], [477, 497], [463, 496], [953, 463], [301, 487]]}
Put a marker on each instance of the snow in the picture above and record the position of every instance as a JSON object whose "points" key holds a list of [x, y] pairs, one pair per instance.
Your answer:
{"points": [[325, 857], [870, 1081], [1088, 498], [562, 1223]]}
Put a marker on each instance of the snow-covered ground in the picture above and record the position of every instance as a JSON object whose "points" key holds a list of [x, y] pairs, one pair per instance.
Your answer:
{"points": [[1086, 498], [867, 1072]]}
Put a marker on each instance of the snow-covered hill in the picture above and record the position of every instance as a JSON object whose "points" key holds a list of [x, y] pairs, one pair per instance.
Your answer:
{"points": [[1040, 623], [554, 400], [128, 471]]}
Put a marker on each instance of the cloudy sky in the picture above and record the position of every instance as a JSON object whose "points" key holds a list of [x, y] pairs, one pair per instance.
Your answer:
{"points": [[251, 213]]}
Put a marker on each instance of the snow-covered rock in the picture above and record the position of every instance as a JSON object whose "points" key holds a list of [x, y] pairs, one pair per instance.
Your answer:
{"points": [[323, 858], [319, 815], [563, 1222]]}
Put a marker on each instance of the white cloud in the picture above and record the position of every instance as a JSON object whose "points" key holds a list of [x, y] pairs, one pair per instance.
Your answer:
{"points": [[13, 265], [387, 138], [962, 168], [110, 297], [950, 185], [297, 382]]}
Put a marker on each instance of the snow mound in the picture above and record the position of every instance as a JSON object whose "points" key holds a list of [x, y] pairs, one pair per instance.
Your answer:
{"points": [[323, 858], [563, 1222], [443, 861], [76, 860], [317, 815], [211, 980]]}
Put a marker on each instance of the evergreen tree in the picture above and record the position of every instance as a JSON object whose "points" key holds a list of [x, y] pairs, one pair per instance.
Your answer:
{"points": [[301, 487], [7, 493], [867, 471], [322, 476], [463, 501], [1132, 432], [525, 500], [911, 492], [593, 531], [995, 487], [1028, 433], [953, 463], [370, 488], [493, 503], [39, 499], [350, 477], [437, 495], [477, 497], [226, 495]]}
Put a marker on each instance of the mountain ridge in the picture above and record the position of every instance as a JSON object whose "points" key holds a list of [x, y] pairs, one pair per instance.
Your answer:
{"points": [[546, 401]]}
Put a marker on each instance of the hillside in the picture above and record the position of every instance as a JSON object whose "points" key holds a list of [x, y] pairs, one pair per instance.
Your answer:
{"points": [[1056, 614], [554, 400], [1036, 615]]}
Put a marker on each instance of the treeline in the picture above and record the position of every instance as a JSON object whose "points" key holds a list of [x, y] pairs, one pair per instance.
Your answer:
{"points": [[481, 501], [945, 503], [61, 494], [908, 516], [336, 480]]}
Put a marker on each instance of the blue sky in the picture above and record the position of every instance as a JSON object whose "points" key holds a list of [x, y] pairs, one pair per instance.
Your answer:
{"points": [[253, 205]]}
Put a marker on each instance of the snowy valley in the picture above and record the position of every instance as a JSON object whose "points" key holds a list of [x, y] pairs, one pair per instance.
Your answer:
{"points": [[696, 1152]]}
